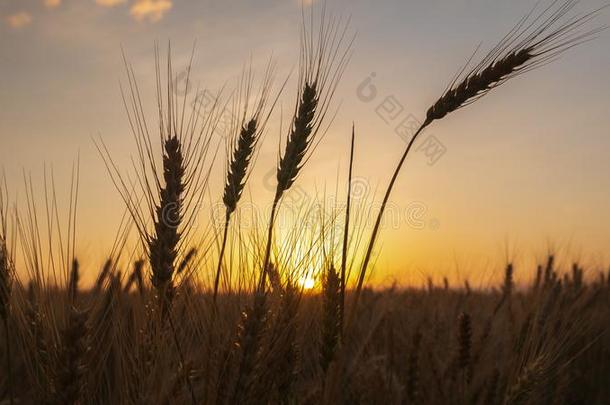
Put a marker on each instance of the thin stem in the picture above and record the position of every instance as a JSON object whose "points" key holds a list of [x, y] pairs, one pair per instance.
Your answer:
{"points": [[222, 252], [369, 250], [346, 234], [263, 280], [8, 361]]}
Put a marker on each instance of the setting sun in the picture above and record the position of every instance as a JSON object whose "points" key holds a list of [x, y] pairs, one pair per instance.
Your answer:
{"points": [[307, 282]]}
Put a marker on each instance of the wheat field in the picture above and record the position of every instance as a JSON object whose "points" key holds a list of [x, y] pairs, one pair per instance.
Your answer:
{"points": [[225, 316]]}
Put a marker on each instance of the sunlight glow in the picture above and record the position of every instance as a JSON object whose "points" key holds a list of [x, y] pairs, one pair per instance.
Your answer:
{"points": [[307, 282]]}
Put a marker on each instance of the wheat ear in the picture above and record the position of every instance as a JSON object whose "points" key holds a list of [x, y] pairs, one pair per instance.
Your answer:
{"points": [[101, 278], [533, 42], [135, 277], [323, 61], [173, 192], [299, 142], [236, 180], [244, 146]]}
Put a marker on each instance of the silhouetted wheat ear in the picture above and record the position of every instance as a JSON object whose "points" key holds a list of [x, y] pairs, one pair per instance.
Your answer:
{"points": [[135, 277], [101, 278], [163, 245], [526, 47], [274, 278], [188, 258], [299, 140], [236, 179], [534, 41], [479, 83], [297, 146], [238, 165]]}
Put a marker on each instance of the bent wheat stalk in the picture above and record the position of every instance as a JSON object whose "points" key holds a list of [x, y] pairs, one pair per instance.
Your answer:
{"points": [[533, 42]]}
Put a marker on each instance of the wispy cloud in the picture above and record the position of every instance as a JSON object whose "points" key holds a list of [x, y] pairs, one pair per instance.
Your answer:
{"points": [[52, 3], [151, 10], [19, 20], [109, 3]]}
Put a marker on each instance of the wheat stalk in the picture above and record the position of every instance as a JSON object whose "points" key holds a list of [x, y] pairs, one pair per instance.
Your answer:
{"points": [[299, 142], [533, 42], [6, 280], [173, 192], [243, 151], [163, 244], [323, 61], [346, 231]]}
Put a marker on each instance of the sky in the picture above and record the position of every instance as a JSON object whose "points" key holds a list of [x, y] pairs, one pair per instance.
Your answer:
{"points": [[522, 172]]}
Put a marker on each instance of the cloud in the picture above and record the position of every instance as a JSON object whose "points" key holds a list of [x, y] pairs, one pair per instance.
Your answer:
{"points": [[19, 20], [52, 3], [151, 10], [109, 3]]}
